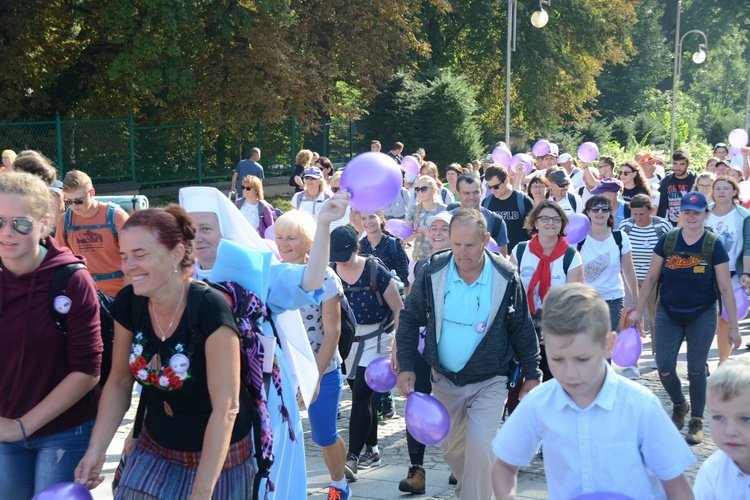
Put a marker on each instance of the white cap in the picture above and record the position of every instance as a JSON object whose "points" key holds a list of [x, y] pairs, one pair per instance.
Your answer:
{"points": [[443, 216], [564, 158]]}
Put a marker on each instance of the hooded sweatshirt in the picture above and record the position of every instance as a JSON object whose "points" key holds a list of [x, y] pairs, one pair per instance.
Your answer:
{"points": [[35, 356]]}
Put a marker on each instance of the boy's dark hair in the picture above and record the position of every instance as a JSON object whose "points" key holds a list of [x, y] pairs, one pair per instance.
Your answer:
{"points": [[496, 171], [681, 154], [641, 201], [576, 308]]}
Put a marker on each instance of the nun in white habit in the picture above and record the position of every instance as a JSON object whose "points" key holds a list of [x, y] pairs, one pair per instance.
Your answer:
{"points": [[284, 288]]}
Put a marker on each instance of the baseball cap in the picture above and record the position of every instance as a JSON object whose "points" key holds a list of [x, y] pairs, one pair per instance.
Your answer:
{"points": [[564, 158], [694, 200], [553, 149], [313, 172], [558, 177], [489, 159], [607, 185], [56, 186], [343, 242], [723, 162], [443, 216], [720, 145]]}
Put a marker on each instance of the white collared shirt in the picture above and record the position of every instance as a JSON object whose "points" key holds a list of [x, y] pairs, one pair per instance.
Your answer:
{"points": [[616, 444], [720, 478]]}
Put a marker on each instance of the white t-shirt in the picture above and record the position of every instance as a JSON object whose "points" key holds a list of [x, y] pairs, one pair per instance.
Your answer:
{"points": [[312, 317], [301, 202], [565, 204], [250, 211], [719, 478], [529, 263], [729, 230], [576, 178], [601, 266]]}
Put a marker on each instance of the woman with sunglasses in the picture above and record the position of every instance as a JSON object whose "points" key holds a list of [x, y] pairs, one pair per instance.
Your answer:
{"points": [[314, 195], [256, 211], [634, 182], [47, 378], [428, 204], [538, 189], [607, 259]]}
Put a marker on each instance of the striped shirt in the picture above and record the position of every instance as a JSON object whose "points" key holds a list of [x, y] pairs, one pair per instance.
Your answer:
{"points": [[643, 240]]}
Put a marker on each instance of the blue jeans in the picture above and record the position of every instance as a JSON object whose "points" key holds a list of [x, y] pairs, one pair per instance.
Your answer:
{"points": [[615, 311], [698, 334], [28, 468]]}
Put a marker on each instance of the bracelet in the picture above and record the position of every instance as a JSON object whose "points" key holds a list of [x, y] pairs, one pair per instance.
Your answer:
{"points": [[23, 430]]}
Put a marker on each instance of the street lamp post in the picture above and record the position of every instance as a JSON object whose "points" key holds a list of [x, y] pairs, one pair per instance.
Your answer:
{"points": [[698, 58], [538, 20]]}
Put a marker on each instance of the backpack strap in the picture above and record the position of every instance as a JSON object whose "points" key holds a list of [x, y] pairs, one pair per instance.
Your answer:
{"points": [[58, 287], [519, 253], [486, 201], [707, 249], [521, 200], [373, 265], [392, 244], [627, 225], [570, 253], [618, 239], [670, 242], [572, 201], [111, 210]]}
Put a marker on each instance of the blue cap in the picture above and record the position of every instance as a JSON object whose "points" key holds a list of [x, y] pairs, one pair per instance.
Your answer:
{"points": [[694, 200]]}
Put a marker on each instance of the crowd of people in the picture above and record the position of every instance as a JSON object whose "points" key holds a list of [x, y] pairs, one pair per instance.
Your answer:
{"points": [[230, 316]]}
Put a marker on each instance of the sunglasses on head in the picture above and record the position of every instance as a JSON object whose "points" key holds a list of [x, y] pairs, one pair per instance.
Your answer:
{"points": [[422, 189], [335, 189], [21, 225], [600, 208], [494, 186]]}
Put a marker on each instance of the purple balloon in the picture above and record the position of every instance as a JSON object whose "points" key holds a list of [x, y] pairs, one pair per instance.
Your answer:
{"points": [[588, 151], [374, 181], [64, 491], [521, 159], [738, 138], [577, 228], [379, 376], [628, 347], [410, 165], [603, 495], [541, 148], [492, 246], [502, 156], [270, 233], [420, 345], [399, 228], [426, 418], [740, 298]]}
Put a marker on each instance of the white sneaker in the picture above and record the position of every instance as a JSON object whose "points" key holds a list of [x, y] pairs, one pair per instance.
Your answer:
{"points": [[631, 372]]}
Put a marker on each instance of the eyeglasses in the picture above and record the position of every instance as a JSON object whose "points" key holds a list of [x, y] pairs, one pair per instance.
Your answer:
{"points": [[703, 186], [77, 201], [538, 185], [422, 189], [495, 186], [626, 172], [600, 208], [21, 225], [247, 188], [546, 219], [335, 189]]}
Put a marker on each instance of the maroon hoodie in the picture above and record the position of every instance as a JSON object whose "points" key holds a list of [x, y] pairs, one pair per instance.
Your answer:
{"points": [[35, 356]]}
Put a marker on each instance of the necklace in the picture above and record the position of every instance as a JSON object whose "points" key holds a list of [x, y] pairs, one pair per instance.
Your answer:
{"points": [[156, 316]]}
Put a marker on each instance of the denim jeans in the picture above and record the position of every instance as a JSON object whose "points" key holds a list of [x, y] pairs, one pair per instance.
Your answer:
{"points": [[698, 334], [615, 311], [28, 468]]}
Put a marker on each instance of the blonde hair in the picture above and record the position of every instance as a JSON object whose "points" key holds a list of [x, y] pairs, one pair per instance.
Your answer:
{"points": [[304, 157], [75, 179], [703, 175], [729, 379], [335, 178], [576, 308], [255, 183], [433, 184], [33, 189], [9, 153], [298, 223]]}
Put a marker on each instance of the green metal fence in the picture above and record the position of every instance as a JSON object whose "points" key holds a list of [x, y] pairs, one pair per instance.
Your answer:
{"points": [[118, 150]]}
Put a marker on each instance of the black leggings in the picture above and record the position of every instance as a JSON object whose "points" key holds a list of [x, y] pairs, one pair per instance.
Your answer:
{"points": [[363, 422], [422, 384]]}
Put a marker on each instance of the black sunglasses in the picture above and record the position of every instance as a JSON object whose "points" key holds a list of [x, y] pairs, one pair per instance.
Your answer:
{"points": [[600, 208], [494, 186], [247, 188], [21, 225], [77, 201], [422, 189], [335, 189]]}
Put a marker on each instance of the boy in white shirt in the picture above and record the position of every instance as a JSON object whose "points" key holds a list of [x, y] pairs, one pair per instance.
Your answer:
{"points": [[726, 473], [601, 432]]}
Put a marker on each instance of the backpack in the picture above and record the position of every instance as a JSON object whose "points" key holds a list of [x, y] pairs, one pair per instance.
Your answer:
{"points": [[520, 200], [572, 201], [275, 212], [298, 200], [348, 330], [618, 239], [570, 252], [58, 288], [627, 226], [110, 223]]}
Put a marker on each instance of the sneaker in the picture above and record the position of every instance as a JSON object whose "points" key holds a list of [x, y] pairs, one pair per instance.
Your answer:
{"points": [[338, 494], [631, 372], [678, 414], [452, 479], [350, 467], [695, 431], [369, 459], [414, 482], [388, 410]]}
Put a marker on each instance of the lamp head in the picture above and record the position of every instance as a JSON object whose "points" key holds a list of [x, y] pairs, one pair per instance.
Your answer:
{"points": [[539, 18], [700, 56]]}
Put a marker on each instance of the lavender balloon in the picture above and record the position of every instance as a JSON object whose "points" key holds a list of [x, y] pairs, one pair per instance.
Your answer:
{"points": [[738, 138], [410, 165], [374, 181], [379, 376], [577, 228], [64, 491], [521, 159], [399, 228], [740, 298], [426, 418], [502, 156], [588, 151], [541, 148], [270, 233], [492, 246], [628, 347]]}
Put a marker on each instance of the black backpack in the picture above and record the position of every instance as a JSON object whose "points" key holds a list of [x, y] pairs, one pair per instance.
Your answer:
{"points": [[348, 330], [58, 287], [618, 239]]}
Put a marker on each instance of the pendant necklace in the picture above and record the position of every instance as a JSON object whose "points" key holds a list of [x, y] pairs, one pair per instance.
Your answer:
{"points": [[174, 316]]}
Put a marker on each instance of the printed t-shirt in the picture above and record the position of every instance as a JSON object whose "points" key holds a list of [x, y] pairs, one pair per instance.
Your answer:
{"points": [[729, 230], [508, 210], [178, 401], [99, 246], [688, 280], [364, 303], [601, 265], [312, 317]]}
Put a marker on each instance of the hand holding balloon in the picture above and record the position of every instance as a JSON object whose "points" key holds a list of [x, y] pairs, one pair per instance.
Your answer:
{"points": [[64, 491], [333, 209], [406, 381], [379, 376]]}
